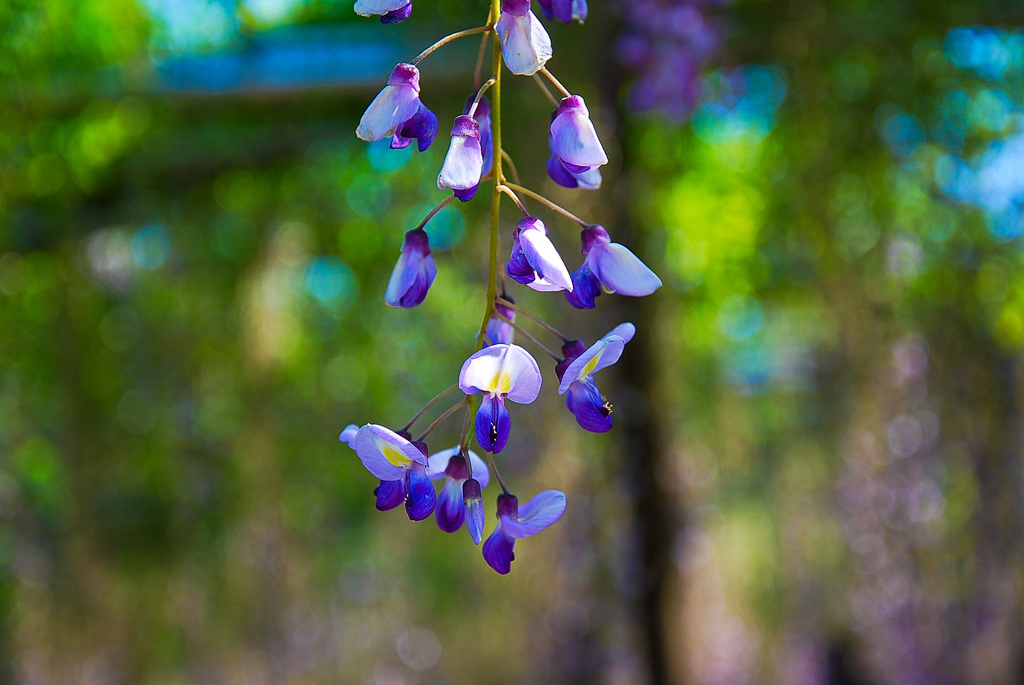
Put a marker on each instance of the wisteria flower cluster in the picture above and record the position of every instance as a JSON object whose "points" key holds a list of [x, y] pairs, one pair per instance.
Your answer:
{"points": [[499, 371]]}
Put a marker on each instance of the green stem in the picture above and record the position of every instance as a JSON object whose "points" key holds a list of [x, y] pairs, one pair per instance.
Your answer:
{"points": [[556, 82], [450, 38], [536, 319], [440, 205], [426, 407], [440, 419], [519, 329], [551, 205]]}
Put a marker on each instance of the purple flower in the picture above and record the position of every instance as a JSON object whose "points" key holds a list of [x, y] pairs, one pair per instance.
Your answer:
{"points": [[464, 162], [564, 10], [588, 180], [390, 11], [497, 330], [395, 106], [525, 45], [422, 128], [574, 141], [534, 261], [584, 400], [515, 522], [611, 266], [349, 434], [400, 464], [452, 508], [499, 372], [414, 273]]}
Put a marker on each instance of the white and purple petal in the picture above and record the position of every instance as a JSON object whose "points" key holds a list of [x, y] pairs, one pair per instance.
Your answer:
{"points": [[384, 453], [525, 45], [502, 369], [422, 128], [395, 104], [348, 435], [541, 254], [463, 164], [620, 271], [369, 8], [397, 16], [601, 354], [573, 138], [540, 512]]}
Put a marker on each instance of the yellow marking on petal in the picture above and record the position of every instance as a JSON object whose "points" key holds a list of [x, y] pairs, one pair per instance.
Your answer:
{"points": [[501, 383], [589, 367], [394, 456]]}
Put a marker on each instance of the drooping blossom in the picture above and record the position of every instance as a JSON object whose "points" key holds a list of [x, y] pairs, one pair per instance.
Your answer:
{"points": [[584, 400], [482, 116], [610, 266], [452, 506], [400, 464], [535, 261], [564, 10], [497, 330], [414, 272], [525, 45], [499, 372], [588, 180], [390, 11], [422, 128], [515, 523], [395, 105], [463, 165], [574, 141]]}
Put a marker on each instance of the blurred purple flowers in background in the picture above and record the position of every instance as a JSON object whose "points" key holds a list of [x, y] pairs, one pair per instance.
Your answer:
{"points": [[666, 43]]}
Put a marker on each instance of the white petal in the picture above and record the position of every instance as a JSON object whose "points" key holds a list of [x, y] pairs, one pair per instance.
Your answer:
{"points": [[544, 258], [393, 106], [621, 271], [525, 45], [462, 165], [604, 352], [367, 8], [536, 515], [502, 370]]}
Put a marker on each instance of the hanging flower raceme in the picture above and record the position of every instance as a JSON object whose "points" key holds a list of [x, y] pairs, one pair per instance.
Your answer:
{"points": [[574, 142], [525, 45], [584, 400], [611, 266], [413, 274], [497, 330], [463, 165], [390, 11], [456, 503], [399, 463], [499, 372], [397, 105], [564, 10], [515, 523], [534, 261]]}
